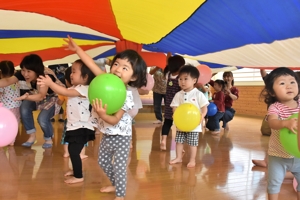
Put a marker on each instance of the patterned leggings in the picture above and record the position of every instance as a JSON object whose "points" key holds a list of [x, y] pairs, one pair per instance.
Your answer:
{"points": [[113, 156]]}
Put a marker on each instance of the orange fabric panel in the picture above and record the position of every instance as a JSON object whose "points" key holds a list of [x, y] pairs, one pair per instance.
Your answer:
{"points": [[95, 14], [154, 59], [125, 44]]}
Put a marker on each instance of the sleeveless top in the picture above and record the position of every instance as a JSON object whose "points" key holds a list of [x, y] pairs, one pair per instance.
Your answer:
{"points": [[172, 89]]}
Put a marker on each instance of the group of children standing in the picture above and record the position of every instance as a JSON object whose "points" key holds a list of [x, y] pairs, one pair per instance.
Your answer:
{"points": [[281, 93]]}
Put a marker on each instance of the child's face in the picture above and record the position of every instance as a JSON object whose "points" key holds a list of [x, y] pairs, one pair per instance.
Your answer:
{"points": [[123, 69], [76, 78], [217, 87], [285, 88], [186, 82]]}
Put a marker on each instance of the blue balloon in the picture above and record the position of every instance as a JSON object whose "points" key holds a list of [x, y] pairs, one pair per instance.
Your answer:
{"points": [[211, 109]]}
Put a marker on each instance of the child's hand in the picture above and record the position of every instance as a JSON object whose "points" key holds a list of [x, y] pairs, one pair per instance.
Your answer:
{"points": [[71, 45], [44, 81], [292, 124], [97, 105], [20, 98]]}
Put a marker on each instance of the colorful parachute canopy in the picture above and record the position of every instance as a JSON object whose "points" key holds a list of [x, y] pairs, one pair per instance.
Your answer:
{"points": [[243, 33]]}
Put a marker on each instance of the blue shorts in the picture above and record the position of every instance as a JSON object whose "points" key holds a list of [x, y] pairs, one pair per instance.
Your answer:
{"points": [[277, 168]]}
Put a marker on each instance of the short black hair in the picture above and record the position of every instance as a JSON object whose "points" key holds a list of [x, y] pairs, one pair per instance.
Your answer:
{"points": [[174, 64], [221, 83], [68, 74], [190, 70], [33, 62], [7, 68], [138, 64], [268, 92], [85, 71]]}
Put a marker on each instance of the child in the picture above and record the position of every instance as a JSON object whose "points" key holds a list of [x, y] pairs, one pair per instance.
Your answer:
{"points": [[171, 74], [79, 128], [282, 94], [188, 77], [213, 123], [63, 101], [131, 69], [11, 92]]}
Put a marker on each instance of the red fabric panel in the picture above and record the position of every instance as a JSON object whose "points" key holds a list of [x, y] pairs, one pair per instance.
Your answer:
{"points": [[94, 14]]}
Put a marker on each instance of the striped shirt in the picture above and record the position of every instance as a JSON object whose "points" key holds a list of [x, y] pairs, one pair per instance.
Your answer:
{"points": [[283, 112]]}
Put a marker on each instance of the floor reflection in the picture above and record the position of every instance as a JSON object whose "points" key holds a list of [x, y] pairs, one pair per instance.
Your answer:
{"points": [[223, 170]]}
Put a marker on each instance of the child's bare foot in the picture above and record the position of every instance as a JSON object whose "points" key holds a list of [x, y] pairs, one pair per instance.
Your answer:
{"points": [[163, 146], [74, 180], [83, 156], [176, 160], [119, 198], [69, 173], [66, 155], [191, 164], [108, 189], [260, 163]]}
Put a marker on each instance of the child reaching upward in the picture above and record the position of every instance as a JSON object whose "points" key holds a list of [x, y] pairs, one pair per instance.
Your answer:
{"points": [[218, 98], [282, 94], [188, 77], [79, 128], [62, 100], [11, 92], [114, 147]]}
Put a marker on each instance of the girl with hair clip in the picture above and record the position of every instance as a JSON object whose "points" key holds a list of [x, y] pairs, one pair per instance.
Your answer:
{"points": [[79, 128], [282, 94], [171, 73], [11, 92], [117, 129], [213, 123], [43, 99]]}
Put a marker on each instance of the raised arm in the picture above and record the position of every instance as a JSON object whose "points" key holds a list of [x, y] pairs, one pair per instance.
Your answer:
{"points": [[263, 73], [153, 70], [90, 63], [8, 81], [45, 81]]}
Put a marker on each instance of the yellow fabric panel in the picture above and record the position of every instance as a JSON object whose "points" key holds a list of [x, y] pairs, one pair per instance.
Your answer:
{"points": [[23, 45], [136, 19]]}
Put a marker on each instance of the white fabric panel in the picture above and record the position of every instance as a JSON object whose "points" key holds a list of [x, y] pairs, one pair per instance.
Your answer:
{"points": [[279, 53]]}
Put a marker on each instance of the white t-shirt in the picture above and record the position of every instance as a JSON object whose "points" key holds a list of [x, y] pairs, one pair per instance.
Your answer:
{"points": [[78, 113], [136, 97], [124, 125], [195, 97]]}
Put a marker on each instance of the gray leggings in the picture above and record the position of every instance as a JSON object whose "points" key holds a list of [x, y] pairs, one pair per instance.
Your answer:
{"points": [[113, 156]]}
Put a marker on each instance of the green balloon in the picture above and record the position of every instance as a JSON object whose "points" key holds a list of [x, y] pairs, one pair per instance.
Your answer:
{"points": [[110, 89], [289, 140]]}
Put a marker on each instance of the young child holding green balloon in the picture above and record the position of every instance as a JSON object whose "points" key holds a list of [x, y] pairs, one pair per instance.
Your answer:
{"points": [[282, 94], [117, 128], [79, 127]]}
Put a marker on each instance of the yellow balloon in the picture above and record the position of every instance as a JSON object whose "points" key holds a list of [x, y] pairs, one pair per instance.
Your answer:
{"points": [[187, 117]]}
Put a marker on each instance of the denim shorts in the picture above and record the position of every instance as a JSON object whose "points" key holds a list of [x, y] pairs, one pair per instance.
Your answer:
{"points": [[277, 168]]}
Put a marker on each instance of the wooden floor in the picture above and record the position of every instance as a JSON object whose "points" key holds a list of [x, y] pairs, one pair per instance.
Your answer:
{"points": [[223, 171]]}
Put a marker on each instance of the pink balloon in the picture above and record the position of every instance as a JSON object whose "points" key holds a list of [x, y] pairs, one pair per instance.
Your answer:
{"points": [[8, 126], [150, 83], [205, 74], [295, 184]]}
